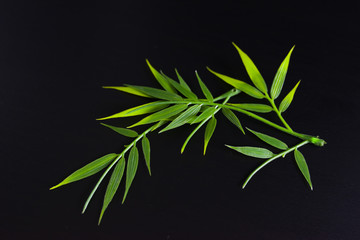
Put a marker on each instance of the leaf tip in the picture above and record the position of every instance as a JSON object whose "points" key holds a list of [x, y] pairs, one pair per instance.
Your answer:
{"points": [[56, 186]]}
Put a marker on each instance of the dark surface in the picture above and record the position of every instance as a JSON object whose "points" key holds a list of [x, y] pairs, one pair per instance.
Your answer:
{"points": [[55, 57]]}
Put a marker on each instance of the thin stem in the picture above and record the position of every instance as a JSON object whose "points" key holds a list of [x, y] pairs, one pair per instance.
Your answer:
{"points": [[272, 159], [205, 120], [314, 140], [278, 113], [113, 163]]}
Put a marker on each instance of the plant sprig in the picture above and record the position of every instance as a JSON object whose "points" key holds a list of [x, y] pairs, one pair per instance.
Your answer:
{"points": [[176, 105]]}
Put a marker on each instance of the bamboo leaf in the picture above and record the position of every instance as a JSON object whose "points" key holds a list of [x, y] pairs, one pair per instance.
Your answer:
{"points": [[254, 107], [285, 103], [252, 70], [156, 93], [88, 170], [138, 110], [253, 151], [182, 81], [163, 82], [128, 90], [270, 140], [183, 90], [204, 88], [280, 76], [131, 169], [210, 128], [232, 118], [229, 94], [182, 118], [123, 131], [300, 161], [207, 113], [146, 150], [161, 115], [113, 185], [242, 86]]}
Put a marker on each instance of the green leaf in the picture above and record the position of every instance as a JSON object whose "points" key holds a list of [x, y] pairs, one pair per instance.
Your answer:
{"points": [[242, 86], [232, 118], [123, 131], [280, 76], [183, 90], [182, 81], [252, 70], [253, 151], [158, 124], [138, 110], [161, 115], [146, 150], [182, 118], [254, 107], [285, 103], [207, 113], [300, 161], [156, 93], [270, 140], [89, 169], [128, 90], [229, 94], [113, 185], [131, 169], [204, 88], [163, 82], [210, 128]]}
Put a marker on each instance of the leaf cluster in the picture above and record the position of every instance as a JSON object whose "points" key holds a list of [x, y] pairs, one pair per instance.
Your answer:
{"points": [[175, 104]]}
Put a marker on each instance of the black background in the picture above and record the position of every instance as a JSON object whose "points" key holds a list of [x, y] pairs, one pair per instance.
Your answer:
{"points": [[54, 58]]}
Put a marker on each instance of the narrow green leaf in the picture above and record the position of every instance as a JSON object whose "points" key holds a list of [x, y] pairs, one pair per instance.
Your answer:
{"points": [[138, 110], [113, 185], [210, 128], [280, 76], [128, 90], [203, 121], [131, 169], [300, 161], [156, 93], [146, 150], [204, 88], [158, 124], [229, 94], [88, 170], [232, 118], [253, 151], [123, 131], [182, 81], [161, 115], [285, 103], [254, 107], [182, 118], [207, 113], [270, 140], [242, 86], [252, 70], [183, 90], [163, 82]]}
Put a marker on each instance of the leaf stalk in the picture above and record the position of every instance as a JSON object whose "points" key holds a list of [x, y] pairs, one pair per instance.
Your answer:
{"points": [[272, 159]]}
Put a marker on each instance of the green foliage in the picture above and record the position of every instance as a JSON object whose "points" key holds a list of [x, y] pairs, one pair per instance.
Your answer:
{"points": [[210, 128], [301, 163], [280, 76], [285, 103], [88, 170], [123, 131], [176, 105]]}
